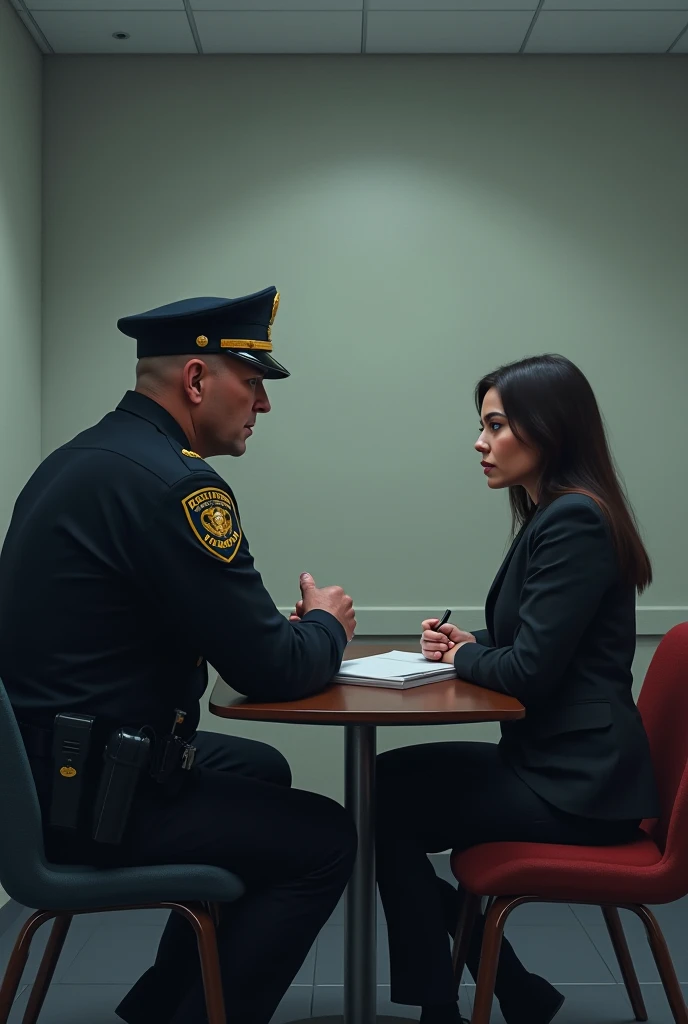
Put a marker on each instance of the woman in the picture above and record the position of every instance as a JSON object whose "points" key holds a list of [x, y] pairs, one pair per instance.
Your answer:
{"points": [[560, 637]]}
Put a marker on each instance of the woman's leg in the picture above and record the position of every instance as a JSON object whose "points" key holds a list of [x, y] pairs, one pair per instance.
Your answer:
{"points": [[446, 796], [524, 998], [430, 798]]}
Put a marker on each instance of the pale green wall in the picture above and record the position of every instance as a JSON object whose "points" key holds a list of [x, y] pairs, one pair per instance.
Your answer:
{"points": [[424, 219], [20, 257], [20, 260]]}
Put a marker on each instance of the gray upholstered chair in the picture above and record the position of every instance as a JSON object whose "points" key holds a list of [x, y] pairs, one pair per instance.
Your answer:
{"points": [[61, 891]]}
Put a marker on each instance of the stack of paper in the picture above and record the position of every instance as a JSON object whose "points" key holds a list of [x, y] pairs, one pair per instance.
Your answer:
{"points": [[398, 669]]}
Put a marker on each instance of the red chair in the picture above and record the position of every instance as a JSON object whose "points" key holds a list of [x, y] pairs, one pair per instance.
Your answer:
{"points": [[652, 869]]}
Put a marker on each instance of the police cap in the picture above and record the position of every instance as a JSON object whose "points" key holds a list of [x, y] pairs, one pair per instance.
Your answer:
{"points": [[237, 327]]}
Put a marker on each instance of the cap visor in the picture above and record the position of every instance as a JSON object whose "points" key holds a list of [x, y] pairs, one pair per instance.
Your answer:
{"points": [[262, 361]]}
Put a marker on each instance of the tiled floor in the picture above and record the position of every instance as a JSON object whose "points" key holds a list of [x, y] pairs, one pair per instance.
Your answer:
{"points": [[105, 954]]}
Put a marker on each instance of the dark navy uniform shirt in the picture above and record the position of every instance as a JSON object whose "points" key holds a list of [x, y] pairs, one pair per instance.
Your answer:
{"points": [[126, 569]]}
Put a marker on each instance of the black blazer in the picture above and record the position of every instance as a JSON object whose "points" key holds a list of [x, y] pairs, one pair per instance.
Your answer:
{"points": [[561, 637]]}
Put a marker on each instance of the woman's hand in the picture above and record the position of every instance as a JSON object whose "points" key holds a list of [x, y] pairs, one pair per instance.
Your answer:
{"points": [[442, 645]]}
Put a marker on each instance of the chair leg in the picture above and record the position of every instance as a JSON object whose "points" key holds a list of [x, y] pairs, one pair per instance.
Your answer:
{"points": [[469, 908], [203, 925], [489, 955], [623, 955], [17, 963], [58, 934], [664, 963]]}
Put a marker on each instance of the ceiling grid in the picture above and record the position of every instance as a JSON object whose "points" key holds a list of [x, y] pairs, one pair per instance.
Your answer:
{"points": [[357, 26]]}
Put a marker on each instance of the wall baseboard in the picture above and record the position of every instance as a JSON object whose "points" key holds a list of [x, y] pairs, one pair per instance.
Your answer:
{"points": [[652, 620]]}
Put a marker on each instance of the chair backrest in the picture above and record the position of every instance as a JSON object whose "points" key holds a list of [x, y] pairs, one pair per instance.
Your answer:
{"points": [[22, 854], [663, 704]]}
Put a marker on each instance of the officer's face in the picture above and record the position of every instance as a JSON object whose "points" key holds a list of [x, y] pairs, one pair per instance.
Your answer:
{"points": [[232, 399]]}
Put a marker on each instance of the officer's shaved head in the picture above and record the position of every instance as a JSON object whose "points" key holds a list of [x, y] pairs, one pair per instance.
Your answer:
{"points": [[156, 374]]}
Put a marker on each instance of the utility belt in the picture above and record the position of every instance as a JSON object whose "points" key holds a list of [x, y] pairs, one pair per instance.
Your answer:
{"points": [[97, 767]]}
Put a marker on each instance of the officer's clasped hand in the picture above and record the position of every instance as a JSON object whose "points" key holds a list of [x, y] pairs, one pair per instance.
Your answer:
{"points": [[328, 599]]}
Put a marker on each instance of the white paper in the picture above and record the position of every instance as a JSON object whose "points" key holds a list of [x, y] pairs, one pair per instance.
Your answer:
{"points": [[394, 666]]}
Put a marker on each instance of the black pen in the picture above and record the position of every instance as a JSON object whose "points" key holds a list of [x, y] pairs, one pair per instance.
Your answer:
{"points": [[443, 620]]}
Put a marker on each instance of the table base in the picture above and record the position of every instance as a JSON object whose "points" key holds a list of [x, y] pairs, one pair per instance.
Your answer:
{"points": [[380, 1019]]}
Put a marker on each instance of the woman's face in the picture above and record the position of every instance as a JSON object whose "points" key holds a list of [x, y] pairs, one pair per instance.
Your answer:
{"points": [[506, 461]]}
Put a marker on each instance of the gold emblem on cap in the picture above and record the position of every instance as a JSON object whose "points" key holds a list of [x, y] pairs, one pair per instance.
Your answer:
{"points": [[67, 772], [201, 341], [275, 307]]}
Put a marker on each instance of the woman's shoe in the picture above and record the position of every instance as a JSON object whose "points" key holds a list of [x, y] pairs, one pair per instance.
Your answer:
{"points": [[447, 1013], [537, 1002]]}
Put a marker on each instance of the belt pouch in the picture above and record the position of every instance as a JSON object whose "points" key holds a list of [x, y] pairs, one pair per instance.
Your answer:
{"points": [[126, 756]]}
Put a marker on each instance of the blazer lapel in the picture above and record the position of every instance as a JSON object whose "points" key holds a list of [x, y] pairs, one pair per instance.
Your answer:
{"points": [[499, 579]]}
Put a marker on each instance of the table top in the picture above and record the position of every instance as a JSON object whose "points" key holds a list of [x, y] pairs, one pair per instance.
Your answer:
{"points": [[452, 700]]}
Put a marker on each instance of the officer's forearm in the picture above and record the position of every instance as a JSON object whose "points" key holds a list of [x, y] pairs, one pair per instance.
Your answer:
{"points": [[293, 661]]}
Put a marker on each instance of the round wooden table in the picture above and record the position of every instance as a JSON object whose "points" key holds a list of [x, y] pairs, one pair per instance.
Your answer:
{"points": [[360, 709]]}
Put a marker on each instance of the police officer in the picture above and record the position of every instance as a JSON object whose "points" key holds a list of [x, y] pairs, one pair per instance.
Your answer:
{"points": [[126, 568]]}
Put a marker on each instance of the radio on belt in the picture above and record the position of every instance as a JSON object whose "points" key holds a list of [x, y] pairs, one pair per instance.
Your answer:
{"points": [[71, 744]]}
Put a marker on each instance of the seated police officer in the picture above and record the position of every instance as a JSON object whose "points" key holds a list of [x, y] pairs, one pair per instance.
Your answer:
{"points": [[125, 568]]}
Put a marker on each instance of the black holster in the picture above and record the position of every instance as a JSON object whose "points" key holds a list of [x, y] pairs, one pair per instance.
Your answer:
{"points": [[126, 757]]}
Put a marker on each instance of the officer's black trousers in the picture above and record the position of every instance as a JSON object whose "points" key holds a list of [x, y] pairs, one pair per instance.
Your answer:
{"points": [[441, 796], [293, 850]]}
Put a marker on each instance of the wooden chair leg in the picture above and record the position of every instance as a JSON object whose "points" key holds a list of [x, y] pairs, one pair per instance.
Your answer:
{"points": [[664, 963], [203, 925], [489, 955], [214, 909], [58, 934], [469, 909], [17, 963], [623, 955]]}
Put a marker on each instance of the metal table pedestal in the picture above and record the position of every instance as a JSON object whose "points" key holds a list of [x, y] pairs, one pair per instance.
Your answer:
{"points": [[360, 975]]}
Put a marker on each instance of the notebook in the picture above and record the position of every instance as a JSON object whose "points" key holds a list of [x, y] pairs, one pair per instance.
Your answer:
{"points": [[399, 670]]}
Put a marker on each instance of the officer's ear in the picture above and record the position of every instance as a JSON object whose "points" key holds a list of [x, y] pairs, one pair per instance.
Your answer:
{"points": [[194, 374]]}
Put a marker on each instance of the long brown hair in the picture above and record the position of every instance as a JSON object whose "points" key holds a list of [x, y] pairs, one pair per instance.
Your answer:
{"points": [[551, 407]]}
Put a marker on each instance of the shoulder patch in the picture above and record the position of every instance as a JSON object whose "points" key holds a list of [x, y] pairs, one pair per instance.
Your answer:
{"points": [[190, 455], [213, 517]]}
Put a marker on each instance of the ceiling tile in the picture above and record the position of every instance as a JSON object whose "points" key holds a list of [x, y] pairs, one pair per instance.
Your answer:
{"points": [[429, 6], [446, 31], [616, 5], [279, 31], [277, 5], [105, 5], [91, 31], [605, 31], [682, 44]]}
